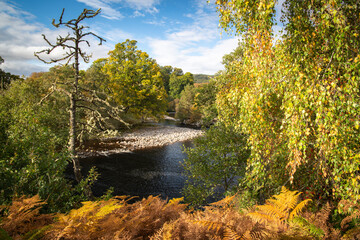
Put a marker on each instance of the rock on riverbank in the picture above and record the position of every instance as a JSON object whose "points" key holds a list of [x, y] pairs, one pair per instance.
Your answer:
{"points": [[148, 137]]}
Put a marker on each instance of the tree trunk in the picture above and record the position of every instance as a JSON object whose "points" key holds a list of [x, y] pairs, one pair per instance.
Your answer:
{"points": [[72, 140]]}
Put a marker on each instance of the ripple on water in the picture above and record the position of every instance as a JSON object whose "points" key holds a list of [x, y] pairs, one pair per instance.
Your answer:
{"points": [[155, 171]]}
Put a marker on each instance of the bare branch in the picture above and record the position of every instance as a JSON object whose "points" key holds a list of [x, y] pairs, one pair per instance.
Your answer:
{"points": [[60, 21], [62, 91], [61, 41], [100, 38], [47, 95]]}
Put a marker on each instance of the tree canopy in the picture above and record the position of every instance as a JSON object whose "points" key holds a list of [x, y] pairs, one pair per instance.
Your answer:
{"points": [[178, 82], [5, 77], [135, 81], [296, 96]]}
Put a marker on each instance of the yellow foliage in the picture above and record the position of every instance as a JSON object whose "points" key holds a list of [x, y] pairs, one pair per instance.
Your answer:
{"points": [[116, 219], [176, 200], [153, 218], [280, 208]]}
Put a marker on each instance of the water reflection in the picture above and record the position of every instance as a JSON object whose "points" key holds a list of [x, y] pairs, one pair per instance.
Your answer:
{"points": [[155, 171]]}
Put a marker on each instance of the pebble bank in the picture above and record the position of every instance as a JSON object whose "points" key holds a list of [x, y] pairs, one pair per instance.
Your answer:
{"points": [[147, 137]]}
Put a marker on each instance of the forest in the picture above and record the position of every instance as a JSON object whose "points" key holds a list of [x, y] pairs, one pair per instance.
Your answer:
{"points": [[279, 158]]}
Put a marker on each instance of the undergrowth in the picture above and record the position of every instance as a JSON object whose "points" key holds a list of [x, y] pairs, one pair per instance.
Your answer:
{"points": [[281, 217]]}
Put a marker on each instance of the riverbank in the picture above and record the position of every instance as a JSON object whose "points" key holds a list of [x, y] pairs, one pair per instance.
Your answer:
{"points": [[137, 139]]}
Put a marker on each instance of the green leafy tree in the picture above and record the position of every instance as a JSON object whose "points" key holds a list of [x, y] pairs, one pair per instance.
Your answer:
{"points": [[5, 77], [298, 99], [186, 110], [178, 82], [33, 158], [205, 101], [166, 73], [135, 81], [197, 104], [202, 78], [95, 78], [215, 165]]}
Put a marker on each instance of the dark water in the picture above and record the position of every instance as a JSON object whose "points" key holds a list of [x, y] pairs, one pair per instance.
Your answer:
{"points": [[154, 171]]}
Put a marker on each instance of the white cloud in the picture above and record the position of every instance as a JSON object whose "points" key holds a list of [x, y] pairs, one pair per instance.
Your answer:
{"points": [[156, 22], [143, 4], [115, 35], [192, 59], [195, 48], [19, 39], [138, 14], [107, 10], [11, 9]]}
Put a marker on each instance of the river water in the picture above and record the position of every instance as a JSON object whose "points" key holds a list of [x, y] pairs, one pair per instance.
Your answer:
{"points": [[154, 171]]}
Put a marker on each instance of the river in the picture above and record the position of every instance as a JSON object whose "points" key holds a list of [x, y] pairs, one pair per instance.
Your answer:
{"points": [[154, 171]]}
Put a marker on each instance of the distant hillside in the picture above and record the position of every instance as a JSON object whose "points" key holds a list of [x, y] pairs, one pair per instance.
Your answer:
{"points": [[201, 78]]}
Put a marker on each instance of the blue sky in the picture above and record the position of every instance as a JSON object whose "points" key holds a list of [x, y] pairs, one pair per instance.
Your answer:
{"points": [[180, 33]]}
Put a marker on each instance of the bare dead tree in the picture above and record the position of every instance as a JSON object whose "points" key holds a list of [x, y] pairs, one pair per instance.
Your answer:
{"points": [[71, 44]]}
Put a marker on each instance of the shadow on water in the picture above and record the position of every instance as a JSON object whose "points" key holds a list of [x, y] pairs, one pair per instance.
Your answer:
{"points": [[155, 171]]}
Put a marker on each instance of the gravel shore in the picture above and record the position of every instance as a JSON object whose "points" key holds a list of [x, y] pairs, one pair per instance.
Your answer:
{"points": [[147, 137]]}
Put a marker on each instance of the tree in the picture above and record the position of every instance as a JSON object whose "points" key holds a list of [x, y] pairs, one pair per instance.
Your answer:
{"points": [[204, 100], [5, 77], [215, 164], [197, 104], [135, 81], [234, 56], [33, 136], [166, 73], [202, 78], [178, 81], [72, 44], [186, 110], [95, 78], [298, 99]]}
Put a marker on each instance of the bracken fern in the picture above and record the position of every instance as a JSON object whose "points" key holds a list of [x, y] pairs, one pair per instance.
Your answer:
{"points": [[24, 217], [280, 208]]}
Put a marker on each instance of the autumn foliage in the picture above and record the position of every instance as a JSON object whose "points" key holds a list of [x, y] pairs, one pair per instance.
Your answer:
{"points": [[295, 93], [281, 217], [23, 217]]}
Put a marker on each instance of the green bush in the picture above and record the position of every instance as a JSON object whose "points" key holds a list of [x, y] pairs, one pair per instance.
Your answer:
{"points": [[33, 155], [215, 165]]}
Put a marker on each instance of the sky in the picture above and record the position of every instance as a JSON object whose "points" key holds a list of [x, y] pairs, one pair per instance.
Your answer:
{"points": [[179, 33]]}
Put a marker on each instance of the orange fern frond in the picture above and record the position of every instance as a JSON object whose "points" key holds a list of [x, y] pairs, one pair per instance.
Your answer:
{"points": [[280, 208], [23, 216], [228, 201], [164, 233], [256, 232], [262, 217], [272, 211], [211, 225], [299, 208], [232, 235], [176, 200], [353, 233], [286, 199], [350, 208]]}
